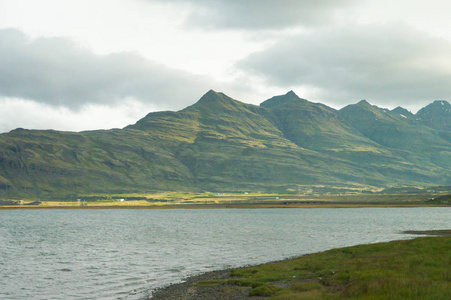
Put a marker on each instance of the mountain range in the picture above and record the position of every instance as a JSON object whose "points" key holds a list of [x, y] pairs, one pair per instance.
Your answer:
{"points": [[286, 144]]}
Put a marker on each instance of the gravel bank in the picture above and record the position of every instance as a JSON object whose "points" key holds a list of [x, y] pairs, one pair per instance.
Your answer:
{"points": [[188, 291]]}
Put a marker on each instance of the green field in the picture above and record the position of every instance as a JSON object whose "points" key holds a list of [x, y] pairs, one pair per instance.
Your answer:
{"points": [[235, 200], [410, 269]]}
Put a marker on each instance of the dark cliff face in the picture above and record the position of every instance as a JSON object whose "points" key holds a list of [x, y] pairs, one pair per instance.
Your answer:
{"points": [[220, 143], [436, 115], [404, 113], [396, 129]]}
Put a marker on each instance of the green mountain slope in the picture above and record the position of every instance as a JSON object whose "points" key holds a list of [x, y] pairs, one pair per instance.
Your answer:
{"points": [[220, 144], [312, 126], [402, 133], [436, 115], [348, 134], [47, 162], [236, 145], [320, 128]]}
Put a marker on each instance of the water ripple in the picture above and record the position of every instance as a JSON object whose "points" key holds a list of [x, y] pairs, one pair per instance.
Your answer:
{"points": [[124, 254]]}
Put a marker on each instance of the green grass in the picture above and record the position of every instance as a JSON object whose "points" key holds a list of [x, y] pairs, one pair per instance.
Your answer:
{"points": [[411, 269], [255, 200]]}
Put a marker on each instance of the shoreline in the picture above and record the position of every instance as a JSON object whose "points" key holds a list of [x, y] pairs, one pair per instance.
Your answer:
{"points": [[185, 289], [197, 288], [184, 200], [228, 206]]}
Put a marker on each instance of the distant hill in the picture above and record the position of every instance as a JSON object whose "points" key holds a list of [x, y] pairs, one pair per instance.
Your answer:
{"points": [[220, 144]]}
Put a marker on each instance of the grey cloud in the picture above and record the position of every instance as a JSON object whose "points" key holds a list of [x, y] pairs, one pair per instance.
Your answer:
{"points": [[57, 72], [385, 63], [260, 14]]}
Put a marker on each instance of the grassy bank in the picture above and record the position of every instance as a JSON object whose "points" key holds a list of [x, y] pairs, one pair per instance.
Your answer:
{"points": [[410, 269]]}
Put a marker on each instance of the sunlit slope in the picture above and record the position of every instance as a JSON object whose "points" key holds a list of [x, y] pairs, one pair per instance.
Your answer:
{"points": [[404, 134], [320, 128], [221, 144], [47, 162], [229, 143]]}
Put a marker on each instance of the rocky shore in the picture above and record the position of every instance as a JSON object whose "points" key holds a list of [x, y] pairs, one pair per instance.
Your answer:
{"points": [[193, 288], [189, 290]]}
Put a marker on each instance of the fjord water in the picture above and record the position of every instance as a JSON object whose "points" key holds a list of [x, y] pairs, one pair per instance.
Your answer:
{"points": [[124, 254]]}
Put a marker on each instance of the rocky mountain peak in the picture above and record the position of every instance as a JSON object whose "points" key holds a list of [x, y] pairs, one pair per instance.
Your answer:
{"points": [[401, 111], [436, 115], [280, 100]]}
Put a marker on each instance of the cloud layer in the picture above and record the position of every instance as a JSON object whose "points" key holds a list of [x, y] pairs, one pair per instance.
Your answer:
{"points": [[57, 72], [386, 63], [260, 14], [330, 51], [16, 113]]}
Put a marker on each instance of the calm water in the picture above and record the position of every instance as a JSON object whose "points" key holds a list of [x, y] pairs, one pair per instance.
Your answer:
{"points": [[124, 254]]}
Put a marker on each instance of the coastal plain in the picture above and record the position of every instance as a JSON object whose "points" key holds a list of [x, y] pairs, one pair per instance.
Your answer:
{"points": [[176, 200], [232, 200]]}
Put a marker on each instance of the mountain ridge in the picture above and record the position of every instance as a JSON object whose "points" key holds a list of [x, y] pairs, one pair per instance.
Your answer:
{"points": [[221, 144]]}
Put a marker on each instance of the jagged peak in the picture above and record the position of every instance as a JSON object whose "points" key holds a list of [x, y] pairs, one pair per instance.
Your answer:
{"points": [[289, 97], [211, 95], [291, 93], [213, 100], [363, 102], [368, 106], [438, 106], [402, 112], [436, 115], [440, 103]]}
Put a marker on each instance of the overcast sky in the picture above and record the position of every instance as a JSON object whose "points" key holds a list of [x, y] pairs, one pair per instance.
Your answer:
{"points": [[97, 64]]}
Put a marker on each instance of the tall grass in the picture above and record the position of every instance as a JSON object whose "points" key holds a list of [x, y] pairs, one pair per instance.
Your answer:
{"points": [[411, 269]]}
